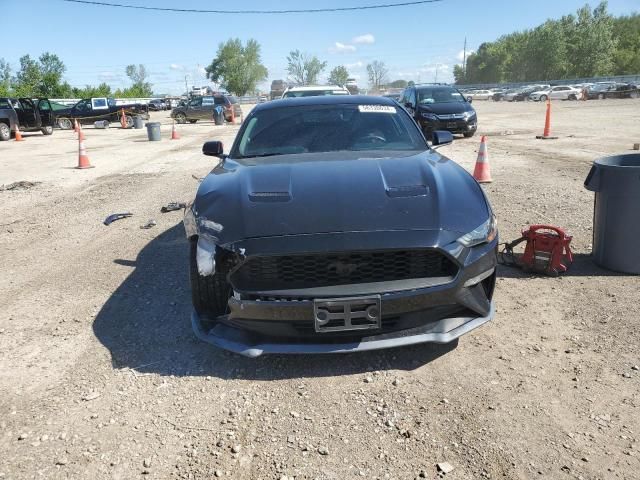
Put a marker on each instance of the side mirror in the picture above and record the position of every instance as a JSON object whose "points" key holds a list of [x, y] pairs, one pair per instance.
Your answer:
{"points": [[213, 148], [469, 99], [441, 137]]}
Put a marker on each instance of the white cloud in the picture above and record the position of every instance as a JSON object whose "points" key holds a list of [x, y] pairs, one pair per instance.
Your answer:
{"points": [[460, 55], [175, 66], [357, 64], [201, 70], [342, 48], [367, 39]]}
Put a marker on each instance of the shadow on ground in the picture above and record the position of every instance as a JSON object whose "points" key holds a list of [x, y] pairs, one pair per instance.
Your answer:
{"points": [[146, 326]]}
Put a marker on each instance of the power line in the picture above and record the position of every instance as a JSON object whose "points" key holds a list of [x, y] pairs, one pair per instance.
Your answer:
{"points": [[255, 12]]}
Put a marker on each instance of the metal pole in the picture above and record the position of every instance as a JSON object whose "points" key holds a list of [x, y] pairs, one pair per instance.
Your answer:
{"points": [[464, 62], [186, 88]]}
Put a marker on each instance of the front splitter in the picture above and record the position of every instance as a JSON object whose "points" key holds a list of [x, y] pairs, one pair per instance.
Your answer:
{"points": [[443, 331]]}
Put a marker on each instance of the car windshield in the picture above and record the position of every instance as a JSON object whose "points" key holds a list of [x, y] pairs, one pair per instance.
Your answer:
{"points": [[4, 103], [312, 93], [327, 128], [440, 95]]}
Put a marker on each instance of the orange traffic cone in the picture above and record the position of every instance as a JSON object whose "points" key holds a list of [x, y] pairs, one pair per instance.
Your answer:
{"points": [[123, 119], [174, 133], [80, 132], [18, 134], [83, 158], [546, 135], [482, 172]]}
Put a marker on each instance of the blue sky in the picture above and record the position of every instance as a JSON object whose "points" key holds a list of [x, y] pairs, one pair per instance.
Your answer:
{"points": [[96, 43]]}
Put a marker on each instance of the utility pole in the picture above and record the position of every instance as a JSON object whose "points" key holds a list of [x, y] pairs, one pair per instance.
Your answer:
{"points": [[437, 66], [186, 88], [464, 61]]}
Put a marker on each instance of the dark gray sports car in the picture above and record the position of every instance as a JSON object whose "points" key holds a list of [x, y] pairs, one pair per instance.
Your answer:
{"points": [[332, 226]]}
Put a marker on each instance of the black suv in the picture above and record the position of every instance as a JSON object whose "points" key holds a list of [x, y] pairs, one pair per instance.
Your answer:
{"points": [[440, 107]]}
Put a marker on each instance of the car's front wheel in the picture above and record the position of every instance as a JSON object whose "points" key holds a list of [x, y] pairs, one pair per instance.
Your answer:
{"points": [[543, 98], [65, 123], [48, 130], [5, 132], [469, 134], [210, 294], [181, 118]]}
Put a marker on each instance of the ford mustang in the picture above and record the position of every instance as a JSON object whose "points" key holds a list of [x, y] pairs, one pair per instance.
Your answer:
{"points": [[333, 226]]}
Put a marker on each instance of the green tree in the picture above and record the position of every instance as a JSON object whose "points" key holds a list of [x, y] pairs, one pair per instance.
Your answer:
{"points": [[5, 78], [51, 71], [28, 78], [377, 72], [304, 70], [338, 76], [141, 87], [238, 68], [626, 57], [458, 74]]}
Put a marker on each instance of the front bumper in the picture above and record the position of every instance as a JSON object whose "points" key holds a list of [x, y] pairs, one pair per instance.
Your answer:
{"points": [[417, 311], [239, 341], [454, 126]]}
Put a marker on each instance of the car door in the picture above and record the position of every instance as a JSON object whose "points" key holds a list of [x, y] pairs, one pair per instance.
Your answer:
{"points": [[206, 111], [559, 93], [194, 108], [30, 117], [47, 117]]}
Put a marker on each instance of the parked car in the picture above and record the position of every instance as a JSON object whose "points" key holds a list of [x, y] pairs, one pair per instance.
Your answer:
{"points": [[90, 110], [288, 257], [603, 90], [278, 87], [314, 91], [201, 108], [27, 115], [560, 92], [440, 107], [480, 94], [499, 95], [394, 96], [157, 104]]}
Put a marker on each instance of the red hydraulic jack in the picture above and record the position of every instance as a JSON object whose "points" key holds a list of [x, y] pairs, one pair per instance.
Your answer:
{"points": [[547, 250]]}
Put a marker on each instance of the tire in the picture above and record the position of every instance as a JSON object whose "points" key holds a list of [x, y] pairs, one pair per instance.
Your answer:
{"points": [[65, 123], [634, 94], [601, 96], [573, 97], [469, 134], [181, 118], [48, 130], [5, 132], [543, 98], [129, 121], [193, 121], [209, 295]]}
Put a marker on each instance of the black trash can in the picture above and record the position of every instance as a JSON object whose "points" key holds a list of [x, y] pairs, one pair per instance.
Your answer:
{"points": [[218, 115], [616, 218], [153, 131]]}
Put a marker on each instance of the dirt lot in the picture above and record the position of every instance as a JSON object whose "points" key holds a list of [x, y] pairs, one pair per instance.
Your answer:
{"points": [[101, 376]]}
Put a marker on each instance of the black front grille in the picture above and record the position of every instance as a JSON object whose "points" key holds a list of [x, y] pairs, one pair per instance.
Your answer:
{"points": [[323, 270]]}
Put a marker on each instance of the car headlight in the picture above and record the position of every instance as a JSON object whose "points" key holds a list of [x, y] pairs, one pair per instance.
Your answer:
{"points": [[429, 116], [468, 115], [485, 233]]}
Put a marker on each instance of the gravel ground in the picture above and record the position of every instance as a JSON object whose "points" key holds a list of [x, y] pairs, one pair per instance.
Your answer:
{"points": [[101, 376]]}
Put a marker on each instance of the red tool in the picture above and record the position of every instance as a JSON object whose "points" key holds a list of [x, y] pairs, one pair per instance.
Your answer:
{"points": [[547, 250]]}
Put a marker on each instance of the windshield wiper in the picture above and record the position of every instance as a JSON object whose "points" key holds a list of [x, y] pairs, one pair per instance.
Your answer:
{"points": [[264, 155]]}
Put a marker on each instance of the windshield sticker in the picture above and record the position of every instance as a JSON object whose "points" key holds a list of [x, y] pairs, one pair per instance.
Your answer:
{"points": [[376, 109]]}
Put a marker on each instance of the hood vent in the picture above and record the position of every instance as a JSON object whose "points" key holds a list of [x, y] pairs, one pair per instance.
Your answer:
{"points": [[408, 191], [269, 197]]}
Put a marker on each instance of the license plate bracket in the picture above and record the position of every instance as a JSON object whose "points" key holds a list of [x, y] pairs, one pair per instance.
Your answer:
{"points": [[347, 314], [452, 125]]}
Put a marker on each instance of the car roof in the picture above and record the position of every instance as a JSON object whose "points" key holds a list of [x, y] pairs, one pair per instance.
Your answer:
{"points": [[327, 100], [310, 88]]}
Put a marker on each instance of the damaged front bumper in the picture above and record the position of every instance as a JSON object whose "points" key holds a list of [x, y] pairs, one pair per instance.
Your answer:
{"points": [[244, 343]]}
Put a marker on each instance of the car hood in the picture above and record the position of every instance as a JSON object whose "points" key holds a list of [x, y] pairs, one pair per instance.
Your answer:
{"points": [[445, 108], [338, 192]]}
